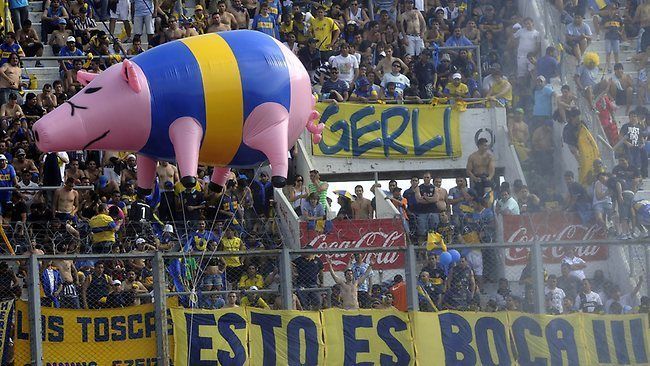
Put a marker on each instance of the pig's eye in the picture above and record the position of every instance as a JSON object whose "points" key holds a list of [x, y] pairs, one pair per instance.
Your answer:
{"points": [[92, 90]]}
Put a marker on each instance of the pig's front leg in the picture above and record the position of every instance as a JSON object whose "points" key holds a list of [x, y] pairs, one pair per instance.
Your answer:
{"points": [[219, 178], [266, 130], [185, 134], [146, 174]]}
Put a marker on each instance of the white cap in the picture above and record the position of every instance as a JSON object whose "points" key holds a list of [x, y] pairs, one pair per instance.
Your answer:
{"points": [[456, 76], [71, 39], [3, 157], [253, 288], [168, 229], [117, 282], [130, 156], [140, 241]]}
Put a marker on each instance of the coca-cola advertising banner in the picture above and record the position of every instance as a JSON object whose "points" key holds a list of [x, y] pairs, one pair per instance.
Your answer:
{"points": [[359, 234], [552, 226]]}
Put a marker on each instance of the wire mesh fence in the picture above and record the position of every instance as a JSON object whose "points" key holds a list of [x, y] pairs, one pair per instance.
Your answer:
{"points": [[547, 277]]}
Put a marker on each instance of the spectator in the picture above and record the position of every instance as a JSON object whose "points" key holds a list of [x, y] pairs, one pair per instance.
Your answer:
{"points": [[456, 89], [586, 79], [263, 22], [10, 73], [361, 207], [234, 265], [554, 296], [548, 66], [252, 299], [626, 302], [349, 286], [96, 286], [621, 88], [10, 46], [312, 211], [543, 96], [346, 64], [529, 41], [103, 229], [52, 285], [571, 130], [427, 213], [325, 31], [359, 269], [507, 205], [613, 25], [309, 270], [334, 89], [400, 80], [633, 140], [231, 300], [588, 301], [481, 168], [319, 187], [50, 17], [500, 90], [578, 36], [251, 278], [577, 199]]}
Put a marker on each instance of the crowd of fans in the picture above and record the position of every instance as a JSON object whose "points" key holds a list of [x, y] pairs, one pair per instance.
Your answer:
{"points": [[398, 51]]}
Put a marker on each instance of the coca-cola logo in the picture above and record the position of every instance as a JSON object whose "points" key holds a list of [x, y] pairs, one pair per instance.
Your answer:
{"points": [[348, 235], [549, 228]]}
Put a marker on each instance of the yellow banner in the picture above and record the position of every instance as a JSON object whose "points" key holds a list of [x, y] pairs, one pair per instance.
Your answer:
{"points": [[204, 337], [111, 337], [381, 131], [368, 337]]}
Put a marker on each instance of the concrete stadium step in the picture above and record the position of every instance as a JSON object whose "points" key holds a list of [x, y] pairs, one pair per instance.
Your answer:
{"points": [[35, 6], [119, 25]]}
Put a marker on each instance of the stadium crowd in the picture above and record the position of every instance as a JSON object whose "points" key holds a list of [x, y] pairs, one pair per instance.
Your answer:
{"points": [[399, 51]]}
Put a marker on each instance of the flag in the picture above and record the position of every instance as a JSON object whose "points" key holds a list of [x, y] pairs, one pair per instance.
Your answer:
{"points": [[599, 4], [435, 241]]}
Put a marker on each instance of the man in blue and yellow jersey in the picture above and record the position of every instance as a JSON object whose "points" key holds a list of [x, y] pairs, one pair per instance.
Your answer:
{"points": [[103, 230], [325, 30], [266, 22]]}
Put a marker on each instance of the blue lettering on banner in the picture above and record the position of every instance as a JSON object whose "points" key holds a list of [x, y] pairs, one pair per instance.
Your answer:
{"points": [[118, 328], [196, 343], [84, 321], [267, 322], [351, 133], [639, 336], [620, 347], [54, 328], [561, 338], [308, 327], [101, 329], [456, 338], [352, 345], [498, 330], [519, 328], [134, 331], [600, 338], [384, 327], [21, 332]]}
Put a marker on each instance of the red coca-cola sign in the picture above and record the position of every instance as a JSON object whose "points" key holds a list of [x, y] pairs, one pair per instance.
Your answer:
{"points": [[554, 226], [359, 234]]}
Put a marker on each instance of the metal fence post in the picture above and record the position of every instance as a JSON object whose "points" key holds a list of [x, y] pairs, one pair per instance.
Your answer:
{"points": [[647, 268], [34, 296], [160, 306], [285, 279], [411, 279], [538, 277]]}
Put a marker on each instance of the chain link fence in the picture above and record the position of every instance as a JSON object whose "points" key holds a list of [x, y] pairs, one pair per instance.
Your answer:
{"points": [[547, 277]]}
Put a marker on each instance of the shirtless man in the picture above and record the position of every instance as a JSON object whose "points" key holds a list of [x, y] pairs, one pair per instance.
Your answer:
{"points": [[167, 173], [69, 296], [47, 99], [231, 300], [66, 201], [130, 173], [10, 76], [59, 36], [173, 32], [412, 24], [21, 162], [480, 168], [386, 63], [74, 172], [240, 13], [131, 283], [92, 171], [642, 17], [227, 18], [519, 134], [361, 207], [349, 286], [216, 25]]}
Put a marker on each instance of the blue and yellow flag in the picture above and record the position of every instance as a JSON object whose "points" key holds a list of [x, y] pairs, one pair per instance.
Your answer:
{"points": [[599, 4]]}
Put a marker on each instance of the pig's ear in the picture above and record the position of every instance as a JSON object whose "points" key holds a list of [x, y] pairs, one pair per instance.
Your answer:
{"points": [[130, 75], [85, 77]]}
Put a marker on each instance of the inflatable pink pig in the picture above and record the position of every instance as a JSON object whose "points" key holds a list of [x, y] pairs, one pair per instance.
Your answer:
{"points": [[232, 99]]}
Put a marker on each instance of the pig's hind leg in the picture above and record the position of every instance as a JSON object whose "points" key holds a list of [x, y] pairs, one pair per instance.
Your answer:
{"points": [[219, 178], [266, 130], [185, 134]]}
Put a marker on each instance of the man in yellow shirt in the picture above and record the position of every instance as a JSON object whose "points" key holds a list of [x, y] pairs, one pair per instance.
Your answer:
{"points": [[253, 299], [456, 89], [103, 230], [251, 278], [234, 266], [325, 30], [500, 89]]}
